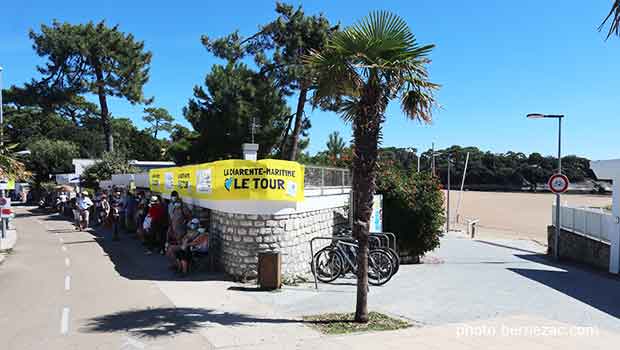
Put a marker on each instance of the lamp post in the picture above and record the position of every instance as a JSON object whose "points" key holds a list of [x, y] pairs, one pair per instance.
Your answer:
{"points": [[559, 117]]}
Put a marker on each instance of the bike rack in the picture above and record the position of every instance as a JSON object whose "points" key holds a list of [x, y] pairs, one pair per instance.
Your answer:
{"points": [[389, 234], [332, 238]]}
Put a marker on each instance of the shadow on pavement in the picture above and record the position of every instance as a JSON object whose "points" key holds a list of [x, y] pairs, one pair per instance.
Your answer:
{"points": [[158, 322], [129, 257], [595, 288], [507, 246], [132, 260]]}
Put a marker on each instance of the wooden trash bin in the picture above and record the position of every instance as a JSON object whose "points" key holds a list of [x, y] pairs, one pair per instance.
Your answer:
{"points": [[269, 270]]}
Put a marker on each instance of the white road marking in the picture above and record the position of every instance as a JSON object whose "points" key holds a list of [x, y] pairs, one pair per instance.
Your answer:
{"points": [[67, 262], [67, 282], [130, 344], [61, 240], [64, 321], [64, 249]]}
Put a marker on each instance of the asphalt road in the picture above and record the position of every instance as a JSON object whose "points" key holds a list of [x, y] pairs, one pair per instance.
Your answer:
{"points": [[60, 289]]}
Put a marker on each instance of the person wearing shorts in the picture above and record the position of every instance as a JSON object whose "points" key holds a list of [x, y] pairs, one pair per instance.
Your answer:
{"points": [[84, 203]]}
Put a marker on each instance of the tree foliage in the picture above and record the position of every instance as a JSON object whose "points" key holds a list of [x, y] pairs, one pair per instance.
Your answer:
{"points": [[222, 114], [613, 17], [49, 157], [278, 49], [111, 163], [11, 166], [91, 58], [335, 145], [159, 119], [360, 70], [412, 208]]}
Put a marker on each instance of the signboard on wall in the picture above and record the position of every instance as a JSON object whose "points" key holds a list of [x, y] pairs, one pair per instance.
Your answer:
{"points": [[376, 216], [6, 184], [267, 179]]}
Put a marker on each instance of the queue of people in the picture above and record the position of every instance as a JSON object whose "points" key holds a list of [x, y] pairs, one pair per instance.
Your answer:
{"points": [[165, 227]]}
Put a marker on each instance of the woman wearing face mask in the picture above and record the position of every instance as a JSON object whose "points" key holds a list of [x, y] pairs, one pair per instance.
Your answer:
{"points": [[196, 241], [179, 216]]}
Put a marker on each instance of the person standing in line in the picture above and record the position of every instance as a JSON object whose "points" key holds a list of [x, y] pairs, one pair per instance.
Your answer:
{"points": [[104, 208], [179, 216], [84, 203], [130, 212], [141, 209], [76, 212], [115, 214], [157, 214]]}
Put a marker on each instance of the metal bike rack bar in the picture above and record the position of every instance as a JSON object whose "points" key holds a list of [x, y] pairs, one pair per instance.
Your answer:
{"points": [[333, 238]]}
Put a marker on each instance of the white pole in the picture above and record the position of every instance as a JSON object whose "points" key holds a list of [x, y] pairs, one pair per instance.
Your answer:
{"points": [[458, 204], [419, 163]]}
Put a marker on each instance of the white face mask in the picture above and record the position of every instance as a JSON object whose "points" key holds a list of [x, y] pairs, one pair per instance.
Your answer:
{"points": [[177, 204], [201, 230]]}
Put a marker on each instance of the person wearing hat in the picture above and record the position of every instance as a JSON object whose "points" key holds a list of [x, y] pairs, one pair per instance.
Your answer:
{"points": [[156, 215], [84, 203]]}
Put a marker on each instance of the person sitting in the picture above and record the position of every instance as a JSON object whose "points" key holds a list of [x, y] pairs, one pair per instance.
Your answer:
{"points": [[193, 244], [175, 241]]}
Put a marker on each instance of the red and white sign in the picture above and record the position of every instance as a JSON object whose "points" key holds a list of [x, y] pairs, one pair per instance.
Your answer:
{"points": [[5, 207], [558, 183]]}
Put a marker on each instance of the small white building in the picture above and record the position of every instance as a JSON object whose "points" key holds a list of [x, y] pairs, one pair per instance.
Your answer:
{"points": [[610, 170]]}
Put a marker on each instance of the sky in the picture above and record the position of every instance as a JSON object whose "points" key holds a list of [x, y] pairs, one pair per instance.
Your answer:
{"points": [[495, 60]]}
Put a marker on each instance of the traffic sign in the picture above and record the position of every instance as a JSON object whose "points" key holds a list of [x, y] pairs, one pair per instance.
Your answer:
{"points": [[2, 201], [558, 183]]}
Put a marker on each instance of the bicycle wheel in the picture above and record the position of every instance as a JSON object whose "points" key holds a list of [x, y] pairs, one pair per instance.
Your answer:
{"points": [[328, 264], [395, 259], [380, 267]]}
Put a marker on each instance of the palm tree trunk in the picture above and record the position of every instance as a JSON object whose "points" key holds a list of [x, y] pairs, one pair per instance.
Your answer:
{"points": [[299, 116], [366, 136], [105, 116]]}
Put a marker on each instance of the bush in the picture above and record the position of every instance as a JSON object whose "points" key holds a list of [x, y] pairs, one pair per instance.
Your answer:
{"points": [[412, 208], [110, 164]]}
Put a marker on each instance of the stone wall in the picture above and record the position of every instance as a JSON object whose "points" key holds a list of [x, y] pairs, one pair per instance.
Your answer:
{"points": [[580, 248], [236, 239]]}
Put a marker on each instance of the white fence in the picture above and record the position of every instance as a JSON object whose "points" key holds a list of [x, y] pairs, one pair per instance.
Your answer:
{"points": [[591, 222]]}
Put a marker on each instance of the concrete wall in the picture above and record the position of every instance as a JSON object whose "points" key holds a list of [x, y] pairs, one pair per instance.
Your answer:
{"points": [[580, 248], [236, 239]]}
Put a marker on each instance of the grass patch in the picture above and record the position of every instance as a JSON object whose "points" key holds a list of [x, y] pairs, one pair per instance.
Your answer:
{"points": [[343, 323]]}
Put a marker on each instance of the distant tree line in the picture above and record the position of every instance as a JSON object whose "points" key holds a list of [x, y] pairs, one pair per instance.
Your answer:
{"points": [[485, 170]]}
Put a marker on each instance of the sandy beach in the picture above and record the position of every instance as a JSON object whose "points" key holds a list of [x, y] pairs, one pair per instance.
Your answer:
{"points": [[514, 215]]}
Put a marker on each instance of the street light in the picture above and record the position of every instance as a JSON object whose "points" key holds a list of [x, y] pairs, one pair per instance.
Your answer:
{"points": [[559, 117]]}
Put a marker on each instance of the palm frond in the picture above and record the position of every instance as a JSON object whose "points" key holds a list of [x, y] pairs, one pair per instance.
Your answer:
{"points": [[614, 15], [380, 54]]}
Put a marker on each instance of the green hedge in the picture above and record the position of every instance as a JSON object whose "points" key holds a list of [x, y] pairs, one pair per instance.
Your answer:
{"points": [[412, 208]]}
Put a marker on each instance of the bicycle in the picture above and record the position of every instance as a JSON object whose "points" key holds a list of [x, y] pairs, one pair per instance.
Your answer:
{"points": [[340, 257], [376, 243]]}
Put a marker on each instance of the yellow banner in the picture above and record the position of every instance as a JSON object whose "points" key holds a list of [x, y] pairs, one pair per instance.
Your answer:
{"points": [[185, 180], [267, 179], [156, 180]]}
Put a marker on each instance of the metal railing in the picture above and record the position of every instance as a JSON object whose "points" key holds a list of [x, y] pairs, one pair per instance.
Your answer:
{"points": [[326, 180], [592, 222]]}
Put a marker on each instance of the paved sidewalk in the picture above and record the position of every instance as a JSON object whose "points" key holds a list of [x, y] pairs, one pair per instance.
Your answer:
{"points": [[484, 295]]}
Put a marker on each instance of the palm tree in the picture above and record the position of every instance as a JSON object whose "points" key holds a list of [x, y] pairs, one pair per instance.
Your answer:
{"points": [[614, 15], [10, 166], [360, 70], [335, 145]]}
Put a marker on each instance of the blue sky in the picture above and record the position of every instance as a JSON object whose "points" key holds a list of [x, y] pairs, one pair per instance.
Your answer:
{"points": [[496, 62]]}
